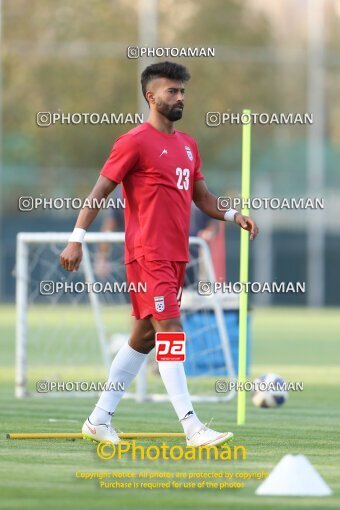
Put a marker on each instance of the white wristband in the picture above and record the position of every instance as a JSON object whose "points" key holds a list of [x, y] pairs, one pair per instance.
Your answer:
{"points": [[77, 235], [230, 214]]}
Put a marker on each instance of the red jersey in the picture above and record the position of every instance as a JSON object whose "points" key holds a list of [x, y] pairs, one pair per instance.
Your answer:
{"points": [[157, 172]]}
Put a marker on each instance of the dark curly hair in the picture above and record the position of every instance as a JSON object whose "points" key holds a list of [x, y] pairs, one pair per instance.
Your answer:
{"points": [[163, 70]]}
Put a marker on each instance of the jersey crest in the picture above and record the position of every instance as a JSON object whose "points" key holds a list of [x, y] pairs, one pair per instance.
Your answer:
{"points": [[189, 153]]}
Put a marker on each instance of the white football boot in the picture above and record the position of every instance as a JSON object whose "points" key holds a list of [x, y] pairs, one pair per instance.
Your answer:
{"points": [[99, 432], [209, 437]]}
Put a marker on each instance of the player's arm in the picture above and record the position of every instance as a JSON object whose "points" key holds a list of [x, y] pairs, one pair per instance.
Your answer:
{"points": [[71, 257], [207, 202]]}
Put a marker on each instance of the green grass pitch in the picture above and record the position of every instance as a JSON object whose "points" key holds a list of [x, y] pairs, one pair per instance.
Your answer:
{"points": [[301, 345]]}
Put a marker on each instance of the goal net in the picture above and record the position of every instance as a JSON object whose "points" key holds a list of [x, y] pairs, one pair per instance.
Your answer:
{"points": [[69, 331]]}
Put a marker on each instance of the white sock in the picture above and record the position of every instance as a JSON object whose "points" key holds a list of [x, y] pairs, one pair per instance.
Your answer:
{"points": [[124, 369], [191, 424], [174, 379]]}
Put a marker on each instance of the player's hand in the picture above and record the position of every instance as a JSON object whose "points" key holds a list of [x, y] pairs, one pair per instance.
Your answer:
{"points": [[247, 223], [71, 257]]}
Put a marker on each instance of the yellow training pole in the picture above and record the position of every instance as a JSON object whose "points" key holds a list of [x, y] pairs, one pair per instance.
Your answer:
{"points": [[244, 261], [122, 435]]}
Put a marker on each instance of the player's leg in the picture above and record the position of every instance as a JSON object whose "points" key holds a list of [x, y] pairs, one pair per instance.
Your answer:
{"points": [[125, 366], [174, 379]]}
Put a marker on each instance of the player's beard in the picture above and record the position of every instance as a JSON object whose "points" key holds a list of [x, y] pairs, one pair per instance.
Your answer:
{"points": [[171, 112]]}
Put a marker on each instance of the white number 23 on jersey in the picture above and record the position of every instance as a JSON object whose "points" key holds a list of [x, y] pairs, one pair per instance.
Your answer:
{"points": [[183, 178]]}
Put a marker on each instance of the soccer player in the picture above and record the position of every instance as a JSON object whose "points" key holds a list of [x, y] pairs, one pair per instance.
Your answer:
{"points": [[159, 169]]}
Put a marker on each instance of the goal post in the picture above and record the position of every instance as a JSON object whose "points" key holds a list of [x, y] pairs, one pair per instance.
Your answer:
{"points": [[71, 336]]}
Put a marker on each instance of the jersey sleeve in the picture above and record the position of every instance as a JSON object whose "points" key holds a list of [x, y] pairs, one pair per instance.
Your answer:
{"points": [[197, 173], [123, 159]]}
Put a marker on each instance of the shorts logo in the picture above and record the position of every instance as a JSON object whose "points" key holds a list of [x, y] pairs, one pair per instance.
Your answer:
{"points": [[159, 303], [189, 153], [170, 346]]}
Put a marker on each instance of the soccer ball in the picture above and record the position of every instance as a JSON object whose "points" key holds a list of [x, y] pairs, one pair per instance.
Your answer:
{"points": [[269, 390]]}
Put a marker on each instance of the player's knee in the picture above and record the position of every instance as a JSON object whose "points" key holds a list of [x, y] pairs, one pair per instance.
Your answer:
{"points": [[150, 335], [143, 345], [149, 338], [170, 325]]}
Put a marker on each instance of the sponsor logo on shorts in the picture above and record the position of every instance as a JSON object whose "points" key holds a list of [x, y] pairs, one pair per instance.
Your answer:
{"points": [[189, 153], [159, 303]]}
